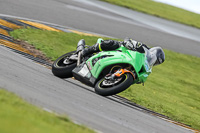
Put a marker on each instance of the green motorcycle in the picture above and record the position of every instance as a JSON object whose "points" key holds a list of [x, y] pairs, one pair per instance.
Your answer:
{"points": [[109, 72]]}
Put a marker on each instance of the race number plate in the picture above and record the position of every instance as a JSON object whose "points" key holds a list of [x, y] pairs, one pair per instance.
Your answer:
{"points": [[84, 71]]}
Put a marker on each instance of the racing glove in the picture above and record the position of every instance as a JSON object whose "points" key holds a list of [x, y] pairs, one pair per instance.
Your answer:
{"points": [[131, 44]]}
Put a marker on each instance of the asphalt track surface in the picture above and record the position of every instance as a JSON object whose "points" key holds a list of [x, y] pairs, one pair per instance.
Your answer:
{"points": [[101, 18], [37, 85]]}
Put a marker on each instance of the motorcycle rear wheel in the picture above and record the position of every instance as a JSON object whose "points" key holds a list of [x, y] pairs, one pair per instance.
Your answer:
{"points": [[104, 89], [62, 68]]}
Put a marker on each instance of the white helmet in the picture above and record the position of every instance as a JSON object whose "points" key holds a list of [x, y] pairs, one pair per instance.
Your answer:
{"points": [[156, 56]]}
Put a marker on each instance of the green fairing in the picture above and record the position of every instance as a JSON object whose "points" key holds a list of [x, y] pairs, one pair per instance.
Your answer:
{"points": [[126, 56]]}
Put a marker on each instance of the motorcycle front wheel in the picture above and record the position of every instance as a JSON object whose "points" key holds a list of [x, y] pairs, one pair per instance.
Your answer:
{"points": [[63, 66], [105, 87]]}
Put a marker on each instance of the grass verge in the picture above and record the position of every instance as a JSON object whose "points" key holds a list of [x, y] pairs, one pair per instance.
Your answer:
{"points": [[173, 88], [160, 10], [17, 116], [52, 43]]}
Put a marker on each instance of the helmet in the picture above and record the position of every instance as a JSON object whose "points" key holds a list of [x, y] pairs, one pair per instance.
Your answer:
{"points": [[156, 56]]}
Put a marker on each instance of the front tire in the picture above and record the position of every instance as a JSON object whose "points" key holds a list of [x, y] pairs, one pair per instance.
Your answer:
{"points": [[105, 90], [63, 69]]}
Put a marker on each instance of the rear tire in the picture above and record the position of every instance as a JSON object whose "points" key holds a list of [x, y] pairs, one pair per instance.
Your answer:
{"points": [[62, 70], [127, 80]]}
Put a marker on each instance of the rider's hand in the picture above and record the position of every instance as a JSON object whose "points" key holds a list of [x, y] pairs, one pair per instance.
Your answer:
{"points": [[130, 44]]}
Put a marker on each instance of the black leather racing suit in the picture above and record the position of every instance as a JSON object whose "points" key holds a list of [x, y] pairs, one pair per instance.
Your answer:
{"points": [[109, 45]]}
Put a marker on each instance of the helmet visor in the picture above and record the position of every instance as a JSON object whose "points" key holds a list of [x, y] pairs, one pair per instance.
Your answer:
{"points": [[153, 60]]}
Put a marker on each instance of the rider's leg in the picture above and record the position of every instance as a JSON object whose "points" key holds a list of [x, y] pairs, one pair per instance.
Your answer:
{"points": [[106, 45], [91, 50]]}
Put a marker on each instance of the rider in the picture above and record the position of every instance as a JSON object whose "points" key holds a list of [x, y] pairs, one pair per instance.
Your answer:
{"points": [[155, 55]]}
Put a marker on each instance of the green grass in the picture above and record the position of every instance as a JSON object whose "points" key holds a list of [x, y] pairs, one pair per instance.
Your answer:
{"points": [[52, 43], [160, 10], [17, 116], [173, 88]]}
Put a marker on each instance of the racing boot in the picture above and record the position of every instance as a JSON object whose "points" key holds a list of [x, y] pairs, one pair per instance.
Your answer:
{"points": [[80, 48], [80, 45]]}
